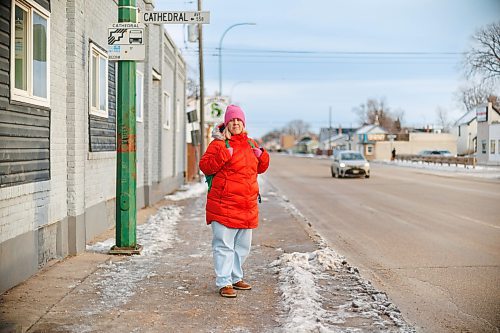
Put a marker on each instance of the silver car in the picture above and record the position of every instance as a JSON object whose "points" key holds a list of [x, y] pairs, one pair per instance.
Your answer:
{"points": [[350, 163]]}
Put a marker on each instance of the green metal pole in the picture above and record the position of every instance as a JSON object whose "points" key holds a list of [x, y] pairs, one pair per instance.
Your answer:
{"points": [[126, 175]]}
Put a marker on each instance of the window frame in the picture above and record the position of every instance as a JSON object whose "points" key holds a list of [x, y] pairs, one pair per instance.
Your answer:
{"points": [[94, 49], [484, 146], [492, 146], [16, 94], [139, 118], [167, 110]]}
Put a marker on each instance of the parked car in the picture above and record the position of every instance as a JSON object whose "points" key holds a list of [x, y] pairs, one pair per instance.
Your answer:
{"points": [[350, 163], [444, 153]]}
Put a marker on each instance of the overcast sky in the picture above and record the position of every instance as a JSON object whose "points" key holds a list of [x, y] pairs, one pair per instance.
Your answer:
{"points": [[303, 56]]}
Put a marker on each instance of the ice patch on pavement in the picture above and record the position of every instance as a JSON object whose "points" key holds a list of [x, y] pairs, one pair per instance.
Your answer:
{"points": [[118, 281], [320, 292], [188, 191]]}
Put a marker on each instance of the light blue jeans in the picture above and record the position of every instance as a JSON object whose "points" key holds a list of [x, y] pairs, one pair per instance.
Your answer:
{"points": [[230, 249]]}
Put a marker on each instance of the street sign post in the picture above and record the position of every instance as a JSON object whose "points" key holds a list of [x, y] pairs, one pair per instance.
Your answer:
{"points": [[175, 17], [126, 41]]}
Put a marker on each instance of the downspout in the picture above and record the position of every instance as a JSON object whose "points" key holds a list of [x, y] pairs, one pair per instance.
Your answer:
{"points": [[174, 141]]}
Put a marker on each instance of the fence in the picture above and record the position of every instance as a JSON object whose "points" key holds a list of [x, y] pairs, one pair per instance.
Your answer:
{"points": [[465, 161]]}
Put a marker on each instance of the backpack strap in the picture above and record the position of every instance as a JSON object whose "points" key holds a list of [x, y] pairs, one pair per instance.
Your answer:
{"points": [[249, 142]]}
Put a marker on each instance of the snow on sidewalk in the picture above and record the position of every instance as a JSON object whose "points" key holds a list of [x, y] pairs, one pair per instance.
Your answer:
{"points": [[117, 281], [319, 291]]}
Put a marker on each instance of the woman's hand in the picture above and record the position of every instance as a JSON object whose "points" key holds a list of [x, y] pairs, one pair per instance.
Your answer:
{"points": [[230, 150], [257, 152]]}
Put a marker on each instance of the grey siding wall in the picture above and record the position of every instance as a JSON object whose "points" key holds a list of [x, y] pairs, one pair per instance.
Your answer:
{"points": [[43, 220], [24, 128], [102, 131]]}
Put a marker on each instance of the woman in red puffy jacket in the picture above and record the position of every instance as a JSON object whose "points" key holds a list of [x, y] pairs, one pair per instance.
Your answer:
{"points": [[232, 161]]}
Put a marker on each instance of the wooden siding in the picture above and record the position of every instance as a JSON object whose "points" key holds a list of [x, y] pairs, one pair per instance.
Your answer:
{"points": [[102, 131], [24, 128]]}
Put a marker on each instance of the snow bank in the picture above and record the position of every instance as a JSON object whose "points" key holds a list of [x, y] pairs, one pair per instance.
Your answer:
{"points": [[320, 292], [188, 191]]}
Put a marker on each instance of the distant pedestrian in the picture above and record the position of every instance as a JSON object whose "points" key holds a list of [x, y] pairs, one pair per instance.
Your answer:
{"points": [[393, 156], [231, 164]]}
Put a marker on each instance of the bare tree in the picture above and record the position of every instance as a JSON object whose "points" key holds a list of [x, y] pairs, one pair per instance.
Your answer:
{"points": [[474, 95], [483, 58], [443, 118], [275, 134], [376, 111], [297, 128], [192, 87]]}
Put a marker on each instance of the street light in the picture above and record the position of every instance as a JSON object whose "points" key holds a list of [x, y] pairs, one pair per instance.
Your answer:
{"points": [[220, 53]]}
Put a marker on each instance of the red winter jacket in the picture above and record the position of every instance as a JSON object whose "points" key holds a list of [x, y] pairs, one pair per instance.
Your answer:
{"points": [[232, 200]]}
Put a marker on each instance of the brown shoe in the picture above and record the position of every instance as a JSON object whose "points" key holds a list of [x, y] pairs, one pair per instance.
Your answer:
{"points": [[227, 291], [240, 285]]}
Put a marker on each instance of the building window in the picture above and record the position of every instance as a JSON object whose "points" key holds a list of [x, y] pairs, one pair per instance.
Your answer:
{"points": [[492, 146], [483, 146], [98, 82], [167, 110], [139, 96], [369, 150], [30, 66]]}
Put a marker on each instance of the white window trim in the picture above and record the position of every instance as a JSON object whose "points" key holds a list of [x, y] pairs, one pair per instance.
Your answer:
{"points": [[167, 121], [141, 75], [96, 111], [19, 94]]}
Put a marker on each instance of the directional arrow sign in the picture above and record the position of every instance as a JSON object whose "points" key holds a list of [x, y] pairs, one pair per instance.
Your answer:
{"points": [[175, 17]]}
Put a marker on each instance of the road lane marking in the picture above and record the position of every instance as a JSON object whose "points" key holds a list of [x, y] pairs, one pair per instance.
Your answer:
{"points": [[470, 219]]}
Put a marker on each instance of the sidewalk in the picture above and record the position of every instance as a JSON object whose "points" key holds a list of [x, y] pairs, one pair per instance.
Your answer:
{"points": [[170, 286]]}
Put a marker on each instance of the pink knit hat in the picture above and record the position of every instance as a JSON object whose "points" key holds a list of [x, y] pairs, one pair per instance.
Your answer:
{"points": [[234, 111]]}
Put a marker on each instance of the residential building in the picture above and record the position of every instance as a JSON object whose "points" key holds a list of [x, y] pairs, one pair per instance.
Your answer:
{"points": [[488, 134], [58, 128], [335, 138], [366, 137], [465, 130]]}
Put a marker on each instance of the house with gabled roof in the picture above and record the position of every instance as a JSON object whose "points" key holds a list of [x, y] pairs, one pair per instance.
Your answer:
{"points": [[488, 134], [366, 137], [465, 129]]}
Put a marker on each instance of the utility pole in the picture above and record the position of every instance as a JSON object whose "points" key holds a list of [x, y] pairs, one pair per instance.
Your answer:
{"points": [[126, 174], [330, 131], [202, 85]]}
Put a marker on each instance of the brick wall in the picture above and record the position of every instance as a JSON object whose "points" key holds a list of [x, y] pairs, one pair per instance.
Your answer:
{"points": [[76, 104], [100, 167]]}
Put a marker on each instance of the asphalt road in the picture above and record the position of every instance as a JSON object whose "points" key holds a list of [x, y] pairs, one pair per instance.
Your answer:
{"points": [[431, 242]]}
